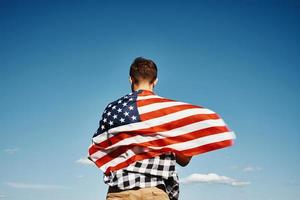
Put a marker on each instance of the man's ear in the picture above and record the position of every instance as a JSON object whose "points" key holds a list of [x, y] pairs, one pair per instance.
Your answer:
{"points": [[130, 79], [155, 82]]}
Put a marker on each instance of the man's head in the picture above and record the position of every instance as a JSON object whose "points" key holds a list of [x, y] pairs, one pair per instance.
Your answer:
{"points": [[143, 74]]}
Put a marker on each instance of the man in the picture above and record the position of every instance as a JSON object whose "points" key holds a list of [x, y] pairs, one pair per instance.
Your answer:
{"points": [[141, 136], [152, 178]]}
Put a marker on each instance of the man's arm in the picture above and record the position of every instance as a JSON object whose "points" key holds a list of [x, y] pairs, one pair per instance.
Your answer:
{"points": [[101, 128], [182, 160]]}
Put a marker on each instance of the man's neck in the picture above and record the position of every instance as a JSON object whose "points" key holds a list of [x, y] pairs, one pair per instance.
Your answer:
{"points": [[143, 87]]}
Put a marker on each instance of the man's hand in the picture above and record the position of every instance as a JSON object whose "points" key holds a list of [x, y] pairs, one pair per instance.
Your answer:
{"points": [[182, 160]]}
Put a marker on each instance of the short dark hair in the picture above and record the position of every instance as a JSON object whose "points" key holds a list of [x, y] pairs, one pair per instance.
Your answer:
{"points": [[143, 69]]}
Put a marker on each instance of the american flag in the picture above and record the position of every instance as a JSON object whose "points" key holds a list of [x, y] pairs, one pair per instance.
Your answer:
{"points": [[142, 125]]}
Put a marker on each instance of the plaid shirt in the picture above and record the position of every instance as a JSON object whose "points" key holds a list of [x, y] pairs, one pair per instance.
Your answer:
{"points": [[147, 173]]}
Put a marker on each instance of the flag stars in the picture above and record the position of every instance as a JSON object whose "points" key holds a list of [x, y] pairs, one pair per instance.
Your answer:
{"points": [[122, 120], [133, 117], [120, 112]]}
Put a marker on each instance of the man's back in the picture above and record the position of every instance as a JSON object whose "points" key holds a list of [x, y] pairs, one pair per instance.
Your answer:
{"points": [[156, 171]]}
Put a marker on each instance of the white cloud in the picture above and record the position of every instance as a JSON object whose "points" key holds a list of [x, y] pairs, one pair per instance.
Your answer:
{"points": [[212, 178], [11, 150], [85, 161], [251, 169], [34, 186]]}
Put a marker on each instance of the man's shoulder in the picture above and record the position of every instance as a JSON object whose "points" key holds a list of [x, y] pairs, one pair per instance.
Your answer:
{"points": [[131, 97]]}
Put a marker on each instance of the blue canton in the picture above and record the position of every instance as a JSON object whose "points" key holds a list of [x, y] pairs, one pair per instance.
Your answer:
{"points": [[120, 112]]}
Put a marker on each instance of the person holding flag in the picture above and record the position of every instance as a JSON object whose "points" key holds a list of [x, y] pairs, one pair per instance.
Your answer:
{"points": [[141, 136]]}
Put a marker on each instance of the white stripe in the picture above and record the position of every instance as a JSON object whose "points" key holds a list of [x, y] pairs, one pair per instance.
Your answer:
{"points": [[156, 106], [151, 122], [148, 97], [164, 134], [179, 146], [102, 137]]}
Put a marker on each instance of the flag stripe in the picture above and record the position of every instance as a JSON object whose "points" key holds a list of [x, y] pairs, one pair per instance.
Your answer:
{"points": [[207, 147], [141, 103], [159, 105]]}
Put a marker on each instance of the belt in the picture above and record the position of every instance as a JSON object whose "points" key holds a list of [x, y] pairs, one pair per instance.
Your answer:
{"points": [[113, 189]]}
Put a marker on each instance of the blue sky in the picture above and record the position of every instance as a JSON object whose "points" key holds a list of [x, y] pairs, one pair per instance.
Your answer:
{"points": [[61, 62]]}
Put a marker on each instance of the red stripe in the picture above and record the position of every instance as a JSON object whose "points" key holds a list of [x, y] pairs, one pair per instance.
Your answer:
{"points": [[163, 127], [207, 148], [145, 102]]}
